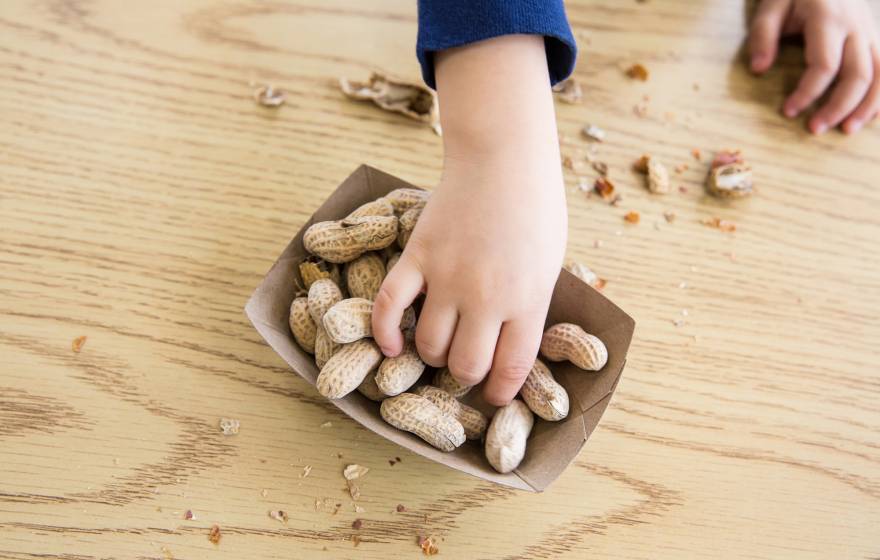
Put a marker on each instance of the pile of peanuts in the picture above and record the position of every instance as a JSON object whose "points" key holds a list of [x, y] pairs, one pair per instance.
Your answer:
{"points": [[331, 319]]}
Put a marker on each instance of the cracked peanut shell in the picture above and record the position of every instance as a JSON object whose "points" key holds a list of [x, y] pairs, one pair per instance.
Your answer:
{"points": [[418, 415], [313, 269], [543, 394], [733, 180], [472, 420], [344, 240]]}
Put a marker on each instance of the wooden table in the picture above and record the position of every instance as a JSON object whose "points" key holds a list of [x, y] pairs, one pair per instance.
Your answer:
{"points": [[143, 195]]}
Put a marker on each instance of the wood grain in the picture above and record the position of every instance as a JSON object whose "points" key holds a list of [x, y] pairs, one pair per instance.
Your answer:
{"points": [[143, 194]]}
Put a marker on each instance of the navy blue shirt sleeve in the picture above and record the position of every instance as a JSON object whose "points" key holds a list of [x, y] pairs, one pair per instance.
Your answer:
{"points": [[444, 24]]}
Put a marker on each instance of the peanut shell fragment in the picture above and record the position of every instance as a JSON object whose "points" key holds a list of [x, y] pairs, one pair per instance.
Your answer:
{"points": [[658, 177], [313, 269], [412, 99], [733, 180]]}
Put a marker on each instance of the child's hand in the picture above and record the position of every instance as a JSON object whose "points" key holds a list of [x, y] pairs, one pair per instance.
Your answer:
{"points": [[841, 41], [489, 244]]}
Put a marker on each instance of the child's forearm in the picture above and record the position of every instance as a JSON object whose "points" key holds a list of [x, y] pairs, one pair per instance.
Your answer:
{"points": [[496, 104]]}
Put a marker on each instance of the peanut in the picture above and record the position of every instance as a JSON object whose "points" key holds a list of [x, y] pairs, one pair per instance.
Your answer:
{"points": [[416, 414], [658, 177], [566, 341], [364, 276], [351, 319], [399, 373], [324, 346], [472, 420], [507, 435], [347, 368], [302, 325], [313, 269], [379, 207], [583, 272], [369, 389], [407, 224], [404, 199], [345, 240], [733, 180], [444, 380], [408, 321], [543, 395], [323, 294]]}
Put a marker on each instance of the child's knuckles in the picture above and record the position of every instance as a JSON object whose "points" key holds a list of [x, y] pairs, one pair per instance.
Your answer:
{"points": [[432, 351], [512, 370], [467, 370]]}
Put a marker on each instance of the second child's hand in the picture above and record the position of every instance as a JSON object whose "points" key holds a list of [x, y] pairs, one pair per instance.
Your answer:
{"points": [[842, 51]]}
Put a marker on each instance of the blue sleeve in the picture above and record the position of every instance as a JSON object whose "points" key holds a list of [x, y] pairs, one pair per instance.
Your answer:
{"points": [[445, 24]]}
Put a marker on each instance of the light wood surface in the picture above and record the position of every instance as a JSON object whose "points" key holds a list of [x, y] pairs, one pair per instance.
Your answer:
{"points": [[143, 195]]}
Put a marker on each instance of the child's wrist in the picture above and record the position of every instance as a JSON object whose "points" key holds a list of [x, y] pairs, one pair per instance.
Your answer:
{"points": [[495, 102]]}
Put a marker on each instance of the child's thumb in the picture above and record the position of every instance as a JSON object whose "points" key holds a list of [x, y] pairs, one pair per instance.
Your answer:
{"points": [[399, 289]]}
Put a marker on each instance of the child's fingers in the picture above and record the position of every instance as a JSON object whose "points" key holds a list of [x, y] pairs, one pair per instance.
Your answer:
{"points": [[473, 345], [514, 357], [824, 49], [765, 31], [435, 329], [856, 74], [870, 105], [399, 289]]}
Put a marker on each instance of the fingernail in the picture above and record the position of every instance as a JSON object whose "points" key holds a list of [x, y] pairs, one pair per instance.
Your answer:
{"points": [[789, 111], [853, 126], [820, 128]]}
